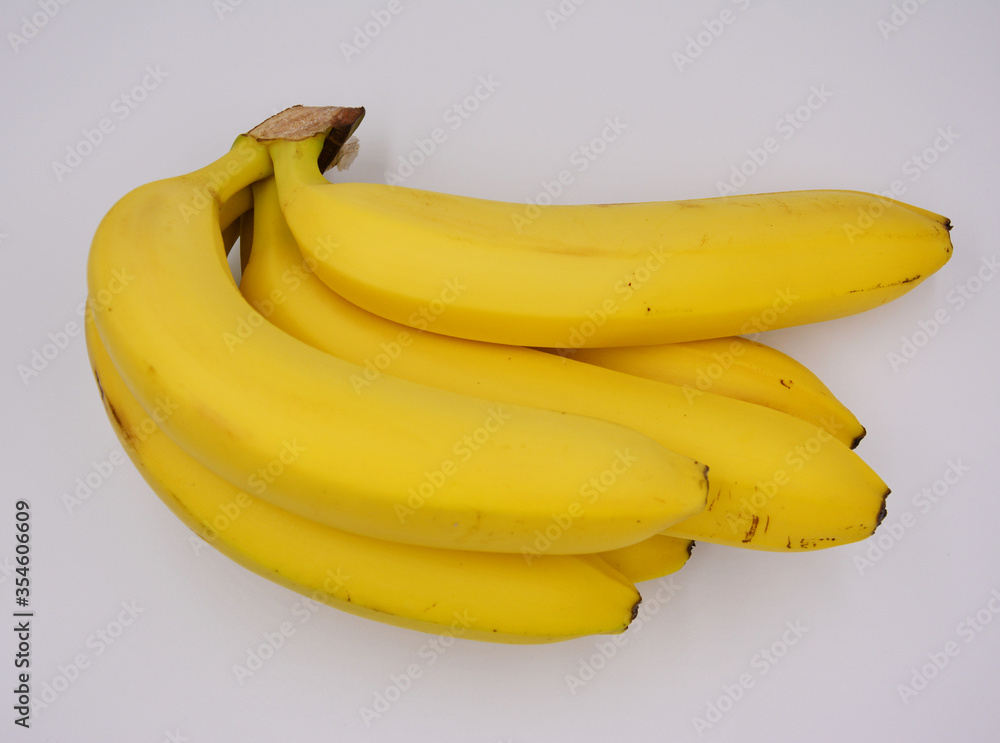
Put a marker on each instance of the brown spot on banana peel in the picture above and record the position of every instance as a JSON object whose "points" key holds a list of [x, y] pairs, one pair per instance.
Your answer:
{"points": [[857, 439], [120, 424], [882, 510], [806, 544], [113, 412], [118, 419], [908, 280], [754, 520], [97, 378], [714, 500]]}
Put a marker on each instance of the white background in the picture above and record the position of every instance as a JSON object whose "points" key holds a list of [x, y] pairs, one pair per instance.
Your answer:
{"points": [[890, 92]]}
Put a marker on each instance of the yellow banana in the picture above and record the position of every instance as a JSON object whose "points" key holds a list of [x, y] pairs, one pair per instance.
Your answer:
{"points": [[651, 558], [654, 557], [406, 462], [605, 275], [775, 481], [476, 595], [740, 368]]}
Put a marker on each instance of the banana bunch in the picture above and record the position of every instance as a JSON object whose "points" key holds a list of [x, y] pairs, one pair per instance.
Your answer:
{"points": [[416, 409]]}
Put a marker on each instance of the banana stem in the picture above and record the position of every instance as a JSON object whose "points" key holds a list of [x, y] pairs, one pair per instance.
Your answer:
{"points": [[337, 123]]}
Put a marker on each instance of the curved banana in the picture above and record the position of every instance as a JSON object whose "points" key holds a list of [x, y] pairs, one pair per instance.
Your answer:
{"points": [[605, 275], [272, 415], [775, 482], [740, 368], [476, 595], [651, 558]]}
